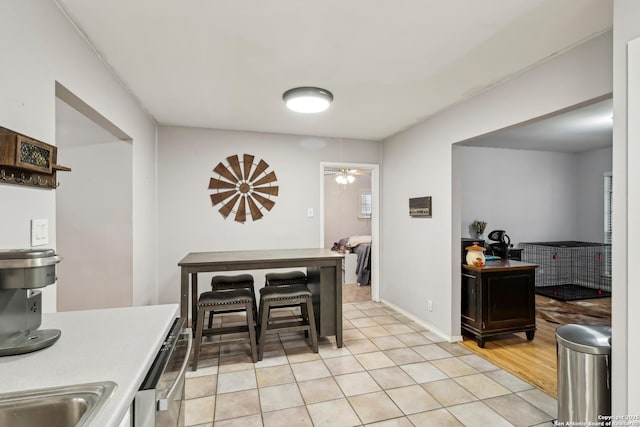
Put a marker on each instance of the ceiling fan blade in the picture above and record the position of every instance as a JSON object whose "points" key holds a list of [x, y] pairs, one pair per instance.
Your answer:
{"points": [[273, 190], [228, 207], [270, 177], [254, 209], [267, 203], [215, 184], [262, 166], [241, 214], [222, 170], [218, 197], [234, 162], [248, 163]]}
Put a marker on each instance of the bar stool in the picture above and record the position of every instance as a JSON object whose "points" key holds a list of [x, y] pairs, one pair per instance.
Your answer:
{"points": [[240, 281], [286, 296], [220, 302], [286, 278]]}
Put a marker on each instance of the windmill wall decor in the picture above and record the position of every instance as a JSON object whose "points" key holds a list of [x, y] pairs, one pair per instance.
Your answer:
{"points": [[243, 184]]}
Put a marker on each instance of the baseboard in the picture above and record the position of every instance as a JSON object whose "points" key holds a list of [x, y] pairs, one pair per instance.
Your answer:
{"points": [[430, 327]]}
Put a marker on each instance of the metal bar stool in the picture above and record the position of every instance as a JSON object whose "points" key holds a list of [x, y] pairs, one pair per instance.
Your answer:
{"points": [[220, 302], [239, 281], [286, 296]]}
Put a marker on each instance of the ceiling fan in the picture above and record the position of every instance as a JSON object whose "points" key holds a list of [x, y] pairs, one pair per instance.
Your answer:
{"points": [[345, 175]]}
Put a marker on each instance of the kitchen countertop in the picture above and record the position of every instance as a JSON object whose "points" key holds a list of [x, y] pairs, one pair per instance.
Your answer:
{"points": [[117, 344]]}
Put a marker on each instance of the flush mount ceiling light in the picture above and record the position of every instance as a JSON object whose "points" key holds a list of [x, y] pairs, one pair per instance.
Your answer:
{"points": [[307, 100]]}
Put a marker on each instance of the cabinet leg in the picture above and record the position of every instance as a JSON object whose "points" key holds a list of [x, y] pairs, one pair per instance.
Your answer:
{"points": [[481, 342], [530, 335]]}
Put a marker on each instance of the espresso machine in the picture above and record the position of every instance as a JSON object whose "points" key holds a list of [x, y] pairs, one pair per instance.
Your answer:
{"points": [[22, 273], [500, 244]]}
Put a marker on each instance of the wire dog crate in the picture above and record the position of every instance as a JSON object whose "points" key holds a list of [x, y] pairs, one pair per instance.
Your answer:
{"points": [[570, 270]]}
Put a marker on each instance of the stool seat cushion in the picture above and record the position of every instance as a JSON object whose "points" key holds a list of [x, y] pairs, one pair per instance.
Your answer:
{"points": [[237, 280], [287, 292], [236, 296], [286, 278]]}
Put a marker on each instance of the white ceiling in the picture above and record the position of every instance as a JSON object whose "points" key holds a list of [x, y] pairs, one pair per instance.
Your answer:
{"points": [[390, 64], [582, 129]]}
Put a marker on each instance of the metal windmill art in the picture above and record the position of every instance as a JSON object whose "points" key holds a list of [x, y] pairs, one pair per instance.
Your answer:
{"points": [[246, 184]]}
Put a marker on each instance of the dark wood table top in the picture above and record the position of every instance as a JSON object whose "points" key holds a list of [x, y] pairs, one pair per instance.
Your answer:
{"points": [[501, 265], [250, 256]]}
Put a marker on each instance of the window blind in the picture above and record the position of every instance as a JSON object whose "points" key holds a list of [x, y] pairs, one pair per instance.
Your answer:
{"points": [[365, 205]]}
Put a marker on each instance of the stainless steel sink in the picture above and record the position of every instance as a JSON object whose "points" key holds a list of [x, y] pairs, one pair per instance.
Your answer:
{"points": [[68, 406]]}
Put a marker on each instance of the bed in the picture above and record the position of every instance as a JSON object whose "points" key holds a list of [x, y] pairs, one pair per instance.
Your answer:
{"points": [[361, 247]]}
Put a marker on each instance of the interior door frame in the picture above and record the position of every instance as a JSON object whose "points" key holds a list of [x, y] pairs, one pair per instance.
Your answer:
{"points": [[125, 294], [375, 216]]}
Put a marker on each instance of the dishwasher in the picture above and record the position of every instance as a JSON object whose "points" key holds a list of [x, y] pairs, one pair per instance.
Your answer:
{"points": [[159, 401]]}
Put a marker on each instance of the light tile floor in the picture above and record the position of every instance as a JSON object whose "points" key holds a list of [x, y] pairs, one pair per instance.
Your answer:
{"points": [[390, 372]]}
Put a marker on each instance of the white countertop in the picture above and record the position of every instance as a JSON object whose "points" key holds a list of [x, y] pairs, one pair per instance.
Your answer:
{"points": [[117, 344]]}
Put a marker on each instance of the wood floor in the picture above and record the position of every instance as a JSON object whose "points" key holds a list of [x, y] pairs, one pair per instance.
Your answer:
{"points": [[533, 361]]}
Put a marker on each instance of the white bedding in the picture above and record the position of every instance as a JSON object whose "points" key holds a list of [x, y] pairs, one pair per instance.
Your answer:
{"points": [[356, 240]]}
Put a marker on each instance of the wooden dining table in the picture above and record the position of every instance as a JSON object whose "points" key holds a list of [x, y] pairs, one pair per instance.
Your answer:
{"points": [[324, 278]]}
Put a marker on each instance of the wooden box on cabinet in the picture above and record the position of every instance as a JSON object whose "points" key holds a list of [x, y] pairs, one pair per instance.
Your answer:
{"points": [[498, 299]]}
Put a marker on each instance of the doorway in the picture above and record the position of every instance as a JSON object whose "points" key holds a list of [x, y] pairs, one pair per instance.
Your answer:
{"points": [[94, 223], [541, 181], [350, 210]]}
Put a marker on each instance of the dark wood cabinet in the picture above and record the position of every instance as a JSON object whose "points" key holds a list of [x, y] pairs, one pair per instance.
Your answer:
{"points": [[497, 299]]}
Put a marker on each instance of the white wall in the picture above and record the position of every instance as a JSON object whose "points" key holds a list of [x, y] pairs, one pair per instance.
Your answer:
{"points": [[534, 195], [530, 194], [342, 207], [591, 167], [189, 223], [626, 209], [420, 258], [48, 49], [93, 216]]}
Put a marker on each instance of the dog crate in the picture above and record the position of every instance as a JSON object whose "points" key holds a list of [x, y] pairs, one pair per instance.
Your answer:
{"points": [[570, 270]]}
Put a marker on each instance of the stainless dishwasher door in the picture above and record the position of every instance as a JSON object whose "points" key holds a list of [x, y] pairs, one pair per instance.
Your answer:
{"points": [[159, 401]]}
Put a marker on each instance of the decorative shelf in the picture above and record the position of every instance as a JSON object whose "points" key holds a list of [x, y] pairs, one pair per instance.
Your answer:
{"points": [[27, 161]]}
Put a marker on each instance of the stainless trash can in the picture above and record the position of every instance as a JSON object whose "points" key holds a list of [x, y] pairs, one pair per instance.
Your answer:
{"points": [[584, 372]]}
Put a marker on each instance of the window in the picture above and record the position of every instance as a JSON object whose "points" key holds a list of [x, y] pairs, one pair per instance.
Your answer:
{"points": [[365, 205], [608, 190]]}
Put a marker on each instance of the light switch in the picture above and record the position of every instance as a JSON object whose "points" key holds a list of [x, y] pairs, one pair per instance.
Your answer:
{"points": [[39, 232], [310, 212]]}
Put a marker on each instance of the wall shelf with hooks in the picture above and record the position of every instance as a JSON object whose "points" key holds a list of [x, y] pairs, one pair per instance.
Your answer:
{"points": [[27, 161]]}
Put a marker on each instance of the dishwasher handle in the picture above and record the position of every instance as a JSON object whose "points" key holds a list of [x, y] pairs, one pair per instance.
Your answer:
{"points": [[163, 404]]}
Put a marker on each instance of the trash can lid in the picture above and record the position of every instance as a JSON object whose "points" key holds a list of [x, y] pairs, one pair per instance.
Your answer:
{"points": [[585, 338]]}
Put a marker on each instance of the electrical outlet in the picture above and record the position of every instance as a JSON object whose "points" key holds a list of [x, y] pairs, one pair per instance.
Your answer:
{"points": [[430, 305]]}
